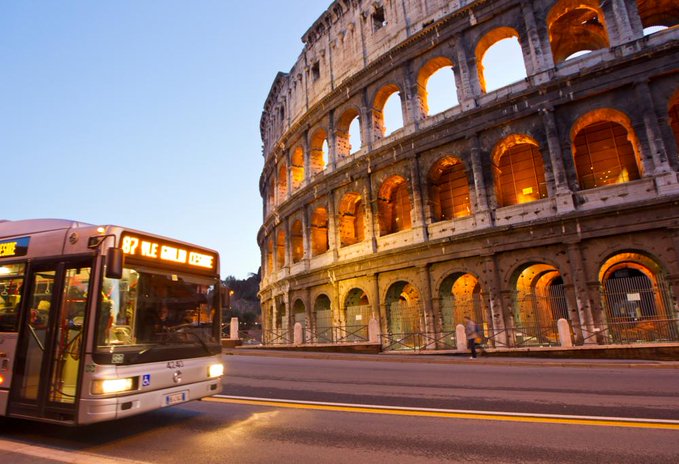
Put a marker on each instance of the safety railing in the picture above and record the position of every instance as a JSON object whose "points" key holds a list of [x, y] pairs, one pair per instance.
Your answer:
{"points": [[276, 337], [418, 341], [630, 330]]}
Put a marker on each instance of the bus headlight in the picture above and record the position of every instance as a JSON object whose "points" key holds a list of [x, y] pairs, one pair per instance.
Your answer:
{"points": [[106, 386], [215, 370]]}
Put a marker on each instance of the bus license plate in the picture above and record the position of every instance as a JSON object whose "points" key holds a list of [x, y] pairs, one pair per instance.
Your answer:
{"points": [[174, 398]]}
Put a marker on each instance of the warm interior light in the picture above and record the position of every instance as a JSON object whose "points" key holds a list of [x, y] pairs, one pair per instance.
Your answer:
{"points": [[101, 230], [216, 370], [2, 379], [527, 190], [105, 386]]}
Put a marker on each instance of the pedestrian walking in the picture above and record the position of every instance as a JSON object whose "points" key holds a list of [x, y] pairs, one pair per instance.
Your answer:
{"points": [[472, 332]]}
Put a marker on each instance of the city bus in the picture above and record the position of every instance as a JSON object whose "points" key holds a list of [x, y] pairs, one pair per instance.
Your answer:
{"points": [[101, 322]]}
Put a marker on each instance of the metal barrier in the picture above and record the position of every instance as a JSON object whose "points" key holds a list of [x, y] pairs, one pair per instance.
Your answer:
{"points": [[418, 341], [627, 331], [276, 337]]}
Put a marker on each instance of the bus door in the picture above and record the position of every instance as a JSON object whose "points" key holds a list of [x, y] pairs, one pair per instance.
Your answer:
{"points": [[47, 366]]}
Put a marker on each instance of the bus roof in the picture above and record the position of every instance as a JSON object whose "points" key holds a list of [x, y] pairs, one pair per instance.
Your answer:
{"points": [[31, 226]]}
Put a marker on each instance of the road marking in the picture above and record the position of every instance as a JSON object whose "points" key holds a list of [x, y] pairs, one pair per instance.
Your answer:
{"points": [[52, 454], [454, 413]]}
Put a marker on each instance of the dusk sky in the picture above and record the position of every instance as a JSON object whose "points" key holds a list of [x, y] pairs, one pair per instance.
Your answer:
{"points": [[145, 113]]}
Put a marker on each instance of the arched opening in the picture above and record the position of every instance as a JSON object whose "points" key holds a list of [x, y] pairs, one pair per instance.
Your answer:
{"points": [[576, 27], [351, 219], [323, 318], [539, 302], [674, 116], [319, 231], [387, 111], [271, 195], [394, 206], [280, 249], [499, 59], [319, 151], [657, 15], [283, 181], [299, 312], [348, 134], [519, 171], [637, 300], [436, 86], [297, 241], [605, 149], [357, 315], [269, 256], [297, 168], [460, 295], [281, 332], [404, 316], [449, 190]]}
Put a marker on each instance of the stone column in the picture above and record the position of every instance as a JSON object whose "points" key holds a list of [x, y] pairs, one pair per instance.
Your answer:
{"points": [[428, 312], [418, 216], [564, 196], [371, 212], [470, 87], [582, 293], [333, 235], [481, 211], [617, 18], [491, 282]]}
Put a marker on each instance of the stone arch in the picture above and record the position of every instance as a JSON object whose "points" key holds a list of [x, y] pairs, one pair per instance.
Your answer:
{"points": [[297, 241], [404, 314], [381, 97], [269, 256], [343, 141], [280, 249], [426, 95], [637, 298], [518, 170], [605, 149], [538, 302], [449, 189], [283, 181], [319, 231], [394, 206], [460, 295], [299, 312], [576, 26], [323, 319], [663, 13], [318, 154], [487, 41], [357, 312], [351, 219], [296, 168]]}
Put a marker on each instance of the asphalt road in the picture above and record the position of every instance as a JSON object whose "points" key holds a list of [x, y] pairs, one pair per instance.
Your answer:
{"points": [[227, 430]]}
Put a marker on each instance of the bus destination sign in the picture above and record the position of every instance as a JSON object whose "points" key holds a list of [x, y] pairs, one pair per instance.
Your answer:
{"points": [[161, 251], [14, 247]]}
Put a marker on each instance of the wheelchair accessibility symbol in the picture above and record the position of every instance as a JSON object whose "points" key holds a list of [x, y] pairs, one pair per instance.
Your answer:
{"points": [[146, 380]]}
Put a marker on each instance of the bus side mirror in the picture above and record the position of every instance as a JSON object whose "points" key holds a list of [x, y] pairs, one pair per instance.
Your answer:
{"points": [[114, 263]]}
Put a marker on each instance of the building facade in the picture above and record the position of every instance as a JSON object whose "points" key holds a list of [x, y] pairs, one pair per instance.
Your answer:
{"points": [[552, 197]]}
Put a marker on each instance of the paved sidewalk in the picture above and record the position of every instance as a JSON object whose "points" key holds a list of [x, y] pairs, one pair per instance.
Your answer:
{"points": [[450, 358]]}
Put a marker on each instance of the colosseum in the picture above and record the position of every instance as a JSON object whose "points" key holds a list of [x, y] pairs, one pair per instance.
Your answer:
{"points": [[545, 208]]}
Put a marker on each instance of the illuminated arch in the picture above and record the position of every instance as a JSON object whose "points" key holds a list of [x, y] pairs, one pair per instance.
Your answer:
{"points": [[653, 13], [394, 206], [323, 319], [431, 96], [381, 98], [269, 256], [519, 170], [351, 219], [449, 189], [318, 154], [576, 26], [345, 144], [605, 149], [460, 295], [404, 314], [283, 181], [319, 231], [487, 41], [297, 241], [297, 168], [280, 249]]}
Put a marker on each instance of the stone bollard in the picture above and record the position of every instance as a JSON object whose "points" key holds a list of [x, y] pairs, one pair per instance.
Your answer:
{"points": [[234, 329], [373, 330], [564, 333], [298, 335], [460, 338]]}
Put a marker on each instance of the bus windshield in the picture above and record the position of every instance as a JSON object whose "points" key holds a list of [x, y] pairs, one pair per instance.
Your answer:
{"points": [[157, 314]]}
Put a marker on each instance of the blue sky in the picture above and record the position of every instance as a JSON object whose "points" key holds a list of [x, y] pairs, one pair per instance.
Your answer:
{"points": [[144, 113]]}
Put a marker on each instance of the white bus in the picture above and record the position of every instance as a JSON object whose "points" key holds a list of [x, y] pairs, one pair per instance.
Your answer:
{"points": [[103, 322]]}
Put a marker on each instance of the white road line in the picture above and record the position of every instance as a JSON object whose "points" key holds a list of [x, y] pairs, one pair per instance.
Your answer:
{"points": [[60, 455], [457, 411]]}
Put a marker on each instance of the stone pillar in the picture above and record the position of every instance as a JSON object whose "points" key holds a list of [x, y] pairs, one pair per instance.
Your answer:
{"points": [[617, 18], [470, 87], [493, 287], [564, 333], [371, 213], [298, 334], [460, 338], [333, 233], [582, 295], [573, 315], [427, 310], [418, 214], [306, 236], [233, 329], [563, 194], [481, 211]]}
